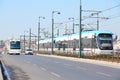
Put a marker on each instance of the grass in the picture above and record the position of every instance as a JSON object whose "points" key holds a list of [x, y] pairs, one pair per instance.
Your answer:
{"points": [[110, 58]]}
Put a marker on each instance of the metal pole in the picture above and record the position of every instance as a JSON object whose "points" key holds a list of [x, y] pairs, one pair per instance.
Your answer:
{"points": [[97, 21], [38, 33], [35, 40], [80, 28], [24, 42], [73, 25], [52, 30], [30, 39], [20, 42], [58, 32]]}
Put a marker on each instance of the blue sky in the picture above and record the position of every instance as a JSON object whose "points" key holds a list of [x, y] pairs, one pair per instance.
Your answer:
{"points": [[17, 16]]}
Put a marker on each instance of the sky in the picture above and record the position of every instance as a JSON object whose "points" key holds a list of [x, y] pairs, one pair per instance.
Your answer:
{"points": [[18, 16]]}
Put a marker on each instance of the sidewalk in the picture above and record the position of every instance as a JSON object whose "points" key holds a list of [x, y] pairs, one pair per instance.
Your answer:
{"points": [[97, 62]]}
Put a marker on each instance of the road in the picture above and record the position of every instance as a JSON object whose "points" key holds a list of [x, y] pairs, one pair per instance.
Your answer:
{"points": [[33, 67]]}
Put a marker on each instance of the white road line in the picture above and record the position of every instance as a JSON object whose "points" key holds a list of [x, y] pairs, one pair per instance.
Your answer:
{"points": [[56, 62], [28, 62], [51, 79], [34, 64], [24, 60], [67, 65], [55, 74], [43, 69], [104, 74], [82, 68]]}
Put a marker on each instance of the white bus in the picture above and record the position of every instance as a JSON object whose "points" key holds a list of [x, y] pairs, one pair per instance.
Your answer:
{"points": [[14, 47]]}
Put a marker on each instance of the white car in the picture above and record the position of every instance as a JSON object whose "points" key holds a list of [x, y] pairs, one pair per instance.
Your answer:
{"points": [[29, 52]]}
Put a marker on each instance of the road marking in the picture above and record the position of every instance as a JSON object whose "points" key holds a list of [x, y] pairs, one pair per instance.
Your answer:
{"points": [[52, 79], [56, 62], [27, 62], [104, 74], [82, 68], [34, 64], [55, 74], [67, 65], [43, 69]]}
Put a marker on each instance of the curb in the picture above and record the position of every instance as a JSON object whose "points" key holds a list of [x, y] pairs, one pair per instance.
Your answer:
{"points": [[1, 76], [97, 62], [4, 72]]}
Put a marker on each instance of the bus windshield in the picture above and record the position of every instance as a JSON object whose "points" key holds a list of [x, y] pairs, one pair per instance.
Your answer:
{"points": [[105, 41], [15, 45]]}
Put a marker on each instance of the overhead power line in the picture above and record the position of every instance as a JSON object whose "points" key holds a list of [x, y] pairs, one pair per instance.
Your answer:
{"points": [[111, 8], [114, 17]]}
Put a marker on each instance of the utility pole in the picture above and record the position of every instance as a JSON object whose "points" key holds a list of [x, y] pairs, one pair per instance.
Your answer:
{"points": [[73, 25], [24, 42], [58, 32], [73, 22], [52, 31], [80, 28], [24, 39], [39, 31], [30, 39], [97, 21]]}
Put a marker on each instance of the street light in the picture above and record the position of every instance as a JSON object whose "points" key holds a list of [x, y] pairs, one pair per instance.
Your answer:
{"points": [[40, 17], [53, 26], [73, 22]]}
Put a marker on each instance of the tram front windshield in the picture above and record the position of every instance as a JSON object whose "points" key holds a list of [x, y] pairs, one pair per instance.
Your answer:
{"points": [[105, 41]]}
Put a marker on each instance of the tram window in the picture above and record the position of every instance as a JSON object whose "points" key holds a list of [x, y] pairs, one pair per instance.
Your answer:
{"points": [[87, 43]]}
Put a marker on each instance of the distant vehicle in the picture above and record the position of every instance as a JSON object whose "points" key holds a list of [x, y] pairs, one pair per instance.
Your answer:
{"points": [[29, 52], [93, 42], [14, 47]]}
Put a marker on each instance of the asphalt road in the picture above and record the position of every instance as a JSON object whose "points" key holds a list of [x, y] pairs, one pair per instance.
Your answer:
{"points": [[33, 67]]}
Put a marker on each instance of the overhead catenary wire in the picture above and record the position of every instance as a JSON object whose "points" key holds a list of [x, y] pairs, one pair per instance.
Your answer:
{"points": [[101, 12], [108, 9], [96, 12], [111, 8]]}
